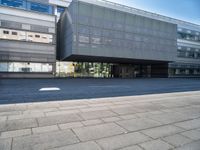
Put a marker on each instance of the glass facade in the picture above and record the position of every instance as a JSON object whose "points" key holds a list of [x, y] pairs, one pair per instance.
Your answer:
{"points": [[188, 52], [83, 69], [184, 69], [190, 36], [25, 67], [28, 5]]}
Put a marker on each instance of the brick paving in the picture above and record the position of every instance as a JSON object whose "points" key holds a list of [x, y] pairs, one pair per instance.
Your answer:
{"points": [[168, 121]]}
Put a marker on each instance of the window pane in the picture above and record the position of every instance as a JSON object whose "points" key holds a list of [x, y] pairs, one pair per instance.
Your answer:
{"points": [[13, 3], [40, 7], [3, 67]]}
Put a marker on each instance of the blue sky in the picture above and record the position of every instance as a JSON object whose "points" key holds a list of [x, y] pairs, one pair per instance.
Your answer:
{"points": [[188, 10]]}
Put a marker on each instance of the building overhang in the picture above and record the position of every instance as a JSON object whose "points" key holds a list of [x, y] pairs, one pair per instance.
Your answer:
{"points": [[84, 58]]}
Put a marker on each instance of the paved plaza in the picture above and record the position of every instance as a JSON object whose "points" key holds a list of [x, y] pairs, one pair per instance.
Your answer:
{"points": [[142, 122]]}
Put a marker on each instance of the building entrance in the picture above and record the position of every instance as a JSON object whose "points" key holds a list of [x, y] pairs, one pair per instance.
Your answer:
{"points": [[131, 71], [109, 70]]}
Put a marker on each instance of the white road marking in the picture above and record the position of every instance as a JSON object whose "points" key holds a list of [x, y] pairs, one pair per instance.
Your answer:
{"points": [[49, 89]]}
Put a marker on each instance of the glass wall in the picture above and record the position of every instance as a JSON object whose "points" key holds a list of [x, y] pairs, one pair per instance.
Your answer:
{"points": [[184, 70], [29, 5], [14, 3], [25, 67], [189, 36], [83, 69], [187, 52]]}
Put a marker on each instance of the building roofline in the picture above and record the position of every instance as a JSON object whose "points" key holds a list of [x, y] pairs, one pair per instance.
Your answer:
{"points": [[143, 12]]}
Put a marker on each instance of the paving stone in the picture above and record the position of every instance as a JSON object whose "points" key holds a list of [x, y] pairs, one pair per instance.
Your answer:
{"points": [[70, 125], [61, 112], [156, 145], [177, 140], [138, 124], [94, 109], [52, 120], [15, 133], [121, 141], [80, 146], [92, 122], [192, 134], [98, 131], [3, 118], [26, 116], [7, 113], [111, 119], [5, 144], [17, 124], [73, 107], [45, 129], [134, 147], [44, 141], [97, 114], [126, 110], [167, 118], [191, 124], [162, 131], [132, 116], [191, 146]]}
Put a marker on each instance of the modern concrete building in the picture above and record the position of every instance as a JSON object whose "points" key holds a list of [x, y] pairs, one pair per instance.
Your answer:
{"points": [[28, 37], [100, 36], [94, 38]]}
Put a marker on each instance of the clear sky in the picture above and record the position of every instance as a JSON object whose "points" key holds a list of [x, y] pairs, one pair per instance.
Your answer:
{"points": [[188, 10]]}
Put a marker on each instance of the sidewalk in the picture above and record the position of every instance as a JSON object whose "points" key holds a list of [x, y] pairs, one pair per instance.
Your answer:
{"points": [[148, 122]]}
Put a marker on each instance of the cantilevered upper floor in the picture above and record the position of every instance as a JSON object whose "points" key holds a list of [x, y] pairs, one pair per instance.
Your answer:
{"points": [[91, 30]]}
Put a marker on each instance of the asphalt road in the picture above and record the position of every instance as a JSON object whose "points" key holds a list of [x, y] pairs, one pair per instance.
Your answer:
{"points": [[33, 90]]}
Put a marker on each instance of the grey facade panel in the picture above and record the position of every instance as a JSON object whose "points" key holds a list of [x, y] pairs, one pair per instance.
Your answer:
{"points": [[26, 51], [97, 31]]}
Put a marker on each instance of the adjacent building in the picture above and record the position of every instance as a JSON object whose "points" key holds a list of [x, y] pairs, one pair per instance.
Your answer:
{"points": [[28, 37], [90, 38]]}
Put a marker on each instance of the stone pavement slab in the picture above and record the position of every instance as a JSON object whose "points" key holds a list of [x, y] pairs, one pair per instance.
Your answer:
{"points": [[44, 141], [138, 124], [5, 144], [134, 147], [192, 146], [98, 131], [162, 131], [192, 134], [15, 133], [52, 120], [17, 124], [97, 114], [81, 146], [177, 140], [191, 124], [156, 145], [120, 141]]}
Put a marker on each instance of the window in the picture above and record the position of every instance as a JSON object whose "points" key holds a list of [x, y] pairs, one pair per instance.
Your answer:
{"points": [[40, 7], [13, 3], [25, 36], [14, 33], [24, 67], [37, 36], [60, 9], [5, 32]]}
